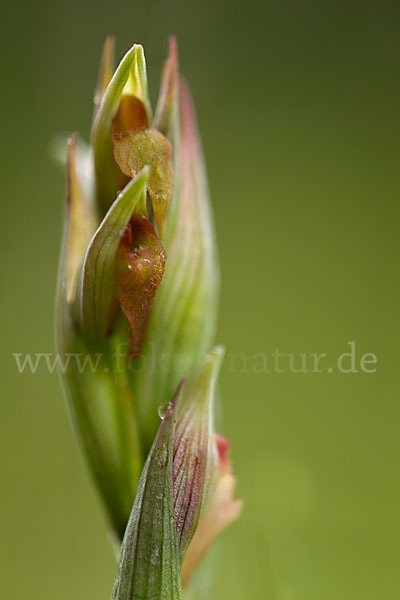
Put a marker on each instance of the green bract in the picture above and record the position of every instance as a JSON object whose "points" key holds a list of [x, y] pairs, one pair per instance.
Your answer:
{"points": [[177, 482], [97, 282]]}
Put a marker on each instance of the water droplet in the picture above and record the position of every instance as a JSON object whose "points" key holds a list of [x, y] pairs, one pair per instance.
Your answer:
{"points": [[163, 409]]}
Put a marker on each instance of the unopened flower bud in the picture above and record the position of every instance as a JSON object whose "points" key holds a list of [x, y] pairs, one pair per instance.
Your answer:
{"points": [[176, 494]]}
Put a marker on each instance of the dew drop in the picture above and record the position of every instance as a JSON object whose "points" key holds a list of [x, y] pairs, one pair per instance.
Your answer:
{"points": [[163, 409]]}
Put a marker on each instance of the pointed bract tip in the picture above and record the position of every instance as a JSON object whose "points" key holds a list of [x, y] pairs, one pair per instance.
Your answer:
{"points": [[213, 362], [166, 117], [106, 69], [71, 149], [72, 138], [217, 354], [173, 49]]}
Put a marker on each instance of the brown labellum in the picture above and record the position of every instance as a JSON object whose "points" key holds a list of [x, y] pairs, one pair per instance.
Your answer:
{"points": [[139, 270], [135, 150]]}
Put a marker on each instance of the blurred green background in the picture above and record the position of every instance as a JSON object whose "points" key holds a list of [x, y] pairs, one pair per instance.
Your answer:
{"points": [[298, 104]]}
